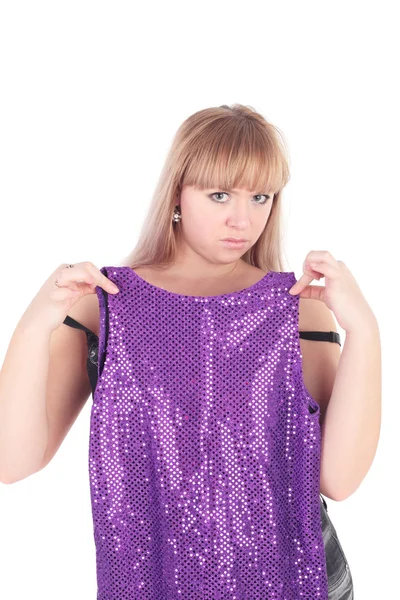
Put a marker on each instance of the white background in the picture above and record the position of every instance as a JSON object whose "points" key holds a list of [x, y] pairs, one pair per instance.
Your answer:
{"points": [[91, 95]]}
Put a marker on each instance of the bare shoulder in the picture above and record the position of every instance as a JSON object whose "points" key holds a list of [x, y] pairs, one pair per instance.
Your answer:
{"points": [[87, 312], [314, 315]]}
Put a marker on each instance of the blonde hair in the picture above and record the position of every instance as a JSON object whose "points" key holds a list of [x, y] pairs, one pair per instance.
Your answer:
{"points": [[224, 148]]}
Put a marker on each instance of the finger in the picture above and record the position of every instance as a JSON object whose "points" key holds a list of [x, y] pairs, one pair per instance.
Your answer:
{"points": [[311, 268], [325, 269], [78, 273], [101, 280], [309, 274], [63, 293], [84, 277], [313, 292], [301, 284]]}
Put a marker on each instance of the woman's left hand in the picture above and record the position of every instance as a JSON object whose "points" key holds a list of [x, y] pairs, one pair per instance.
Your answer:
{"points": [[341, 292]]}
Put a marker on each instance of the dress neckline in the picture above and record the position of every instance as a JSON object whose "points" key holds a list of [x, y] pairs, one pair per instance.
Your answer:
{"points": [[251, 288]]}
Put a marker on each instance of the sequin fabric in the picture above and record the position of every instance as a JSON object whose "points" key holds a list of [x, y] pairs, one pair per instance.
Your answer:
{"points": [[204, 453]]}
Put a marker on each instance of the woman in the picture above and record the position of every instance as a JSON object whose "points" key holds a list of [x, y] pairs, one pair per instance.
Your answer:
{"points": [[205, 441]]}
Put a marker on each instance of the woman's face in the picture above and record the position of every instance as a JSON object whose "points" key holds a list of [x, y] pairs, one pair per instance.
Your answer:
{"points": [[210, 215]]}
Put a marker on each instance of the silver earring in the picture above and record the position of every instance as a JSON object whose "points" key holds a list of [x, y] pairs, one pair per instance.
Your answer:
{"points": [[177, 214]]}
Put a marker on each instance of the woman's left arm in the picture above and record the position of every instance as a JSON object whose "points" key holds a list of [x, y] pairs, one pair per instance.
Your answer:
{"points": [[351, 426]]}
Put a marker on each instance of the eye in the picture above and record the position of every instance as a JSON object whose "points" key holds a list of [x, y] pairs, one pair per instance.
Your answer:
{"points": [[266, 196], [217, 194]]}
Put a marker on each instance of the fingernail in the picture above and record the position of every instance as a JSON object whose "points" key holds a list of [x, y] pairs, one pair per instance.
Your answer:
{"points": [[114, 287]]}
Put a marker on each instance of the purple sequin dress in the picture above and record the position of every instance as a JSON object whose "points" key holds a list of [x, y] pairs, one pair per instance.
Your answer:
{"points": [[204, 455]]}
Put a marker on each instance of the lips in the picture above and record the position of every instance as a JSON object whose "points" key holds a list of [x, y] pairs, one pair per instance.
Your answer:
{"points": [[233, 240]]}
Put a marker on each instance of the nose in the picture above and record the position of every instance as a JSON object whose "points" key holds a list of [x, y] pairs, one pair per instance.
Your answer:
{"points": [[239, 218], [240, 211]]}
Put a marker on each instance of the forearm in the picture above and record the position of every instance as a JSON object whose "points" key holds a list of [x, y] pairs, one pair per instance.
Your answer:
{"points": [[23, 417], [351, 428]]}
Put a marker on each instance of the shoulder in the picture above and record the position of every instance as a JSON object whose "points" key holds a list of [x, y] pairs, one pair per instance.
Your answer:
{"points": [[314, 315]]}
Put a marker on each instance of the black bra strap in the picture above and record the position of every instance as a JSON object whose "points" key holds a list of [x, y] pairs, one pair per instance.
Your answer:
{"points": [[72, 323], [323, 336], [327, 336]]}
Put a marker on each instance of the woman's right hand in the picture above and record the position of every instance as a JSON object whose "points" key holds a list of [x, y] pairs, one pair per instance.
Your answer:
{"points": [[51, 304]]}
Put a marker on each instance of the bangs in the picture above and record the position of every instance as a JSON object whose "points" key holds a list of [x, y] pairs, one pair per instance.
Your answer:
{"points": [[238, 155]]}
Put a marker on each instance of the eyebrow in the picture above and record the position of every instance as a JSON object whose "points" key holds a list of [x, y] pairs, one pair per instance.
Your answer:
{"points": [[231, 190]]}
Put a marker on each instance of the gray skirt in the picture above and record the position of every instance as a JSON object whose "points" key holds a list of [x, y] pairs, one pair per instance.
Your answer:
{"points": [[340, 581]]}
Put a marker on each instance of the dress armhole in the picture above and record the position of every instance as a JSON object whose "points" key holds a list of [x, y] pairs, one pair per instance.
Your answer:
{"points": [[314, 408], [92, 355], [102, 296]]}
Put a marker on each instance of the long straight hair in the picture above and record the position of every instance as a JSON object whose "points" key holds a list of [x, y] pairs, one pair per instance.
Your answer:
{"points": [[220, 147]]}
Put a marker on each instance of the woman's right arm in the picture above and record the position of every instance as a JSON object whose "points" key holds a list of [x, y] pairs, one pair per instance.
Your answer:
{"points": [[40, 368], [43, 380]]}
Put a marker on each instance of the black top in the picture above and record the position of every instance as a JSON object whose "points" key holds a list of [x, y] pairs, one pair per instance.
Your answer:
{"points": [[93, 345]]}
